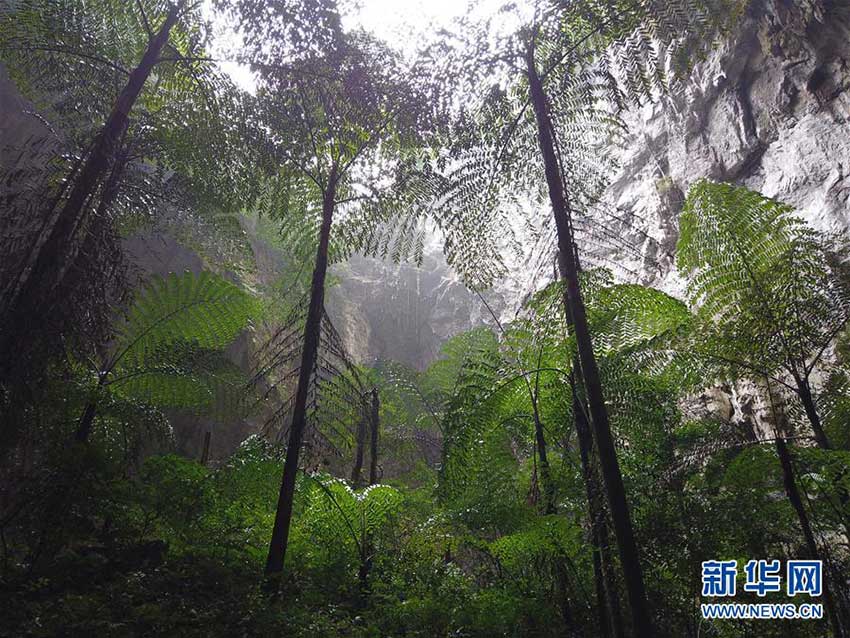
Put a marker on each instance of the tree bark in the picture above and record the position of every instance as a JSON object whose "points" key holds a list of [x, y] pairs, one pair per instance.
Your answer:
{"points": [[358, 454], [309, 354], [599, 588], [629, 556], [55, 254], [793, 494], [545, 470], [205, 454], [811, 545], [375, 423], [804, 391], [84, 425], [606, 586]]}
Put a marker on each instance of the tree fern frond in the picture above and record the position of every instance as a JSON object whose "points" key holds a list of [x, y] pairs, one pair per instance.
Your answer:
{"points": [[204, 310]]}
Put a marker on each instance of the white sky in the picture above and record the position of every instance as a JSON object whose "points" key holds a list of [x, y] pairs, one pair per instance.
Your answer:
{"points": [[403, 24], [392, 19]]}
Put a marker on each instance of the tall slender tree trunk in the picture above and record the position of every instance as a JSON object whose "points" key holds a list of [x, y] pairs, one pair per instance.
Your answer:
{"points": [[205, 453], [54, 256], [599, 588], [629, 556], [363, 588], [606, 585], [804, 391], [811, 545], [86, 421], [359, 451], [375, 425], [309, 354], [539, 434], [790, 483], [84, 425], [543, 456]]}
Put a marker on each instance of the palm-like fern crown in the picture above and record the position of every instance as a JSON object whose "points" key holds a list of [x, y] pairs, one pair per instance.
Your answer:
{"points": [[72, 59], [350, 117], [594, 58], [768, 289], [634, 330], [168, 352]]}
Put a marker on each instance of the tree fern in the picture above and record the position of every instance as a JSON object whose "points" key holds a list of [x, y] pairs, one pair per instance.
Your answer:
{"points": [[177, 139], [771, 296], [351, 522], [167, 352], [568, 40], [634, 333]]}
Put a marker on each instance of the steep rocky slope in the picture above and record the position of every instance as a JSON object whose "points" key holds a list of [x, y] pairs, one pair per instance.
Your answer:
{"points": [[768, 109]]}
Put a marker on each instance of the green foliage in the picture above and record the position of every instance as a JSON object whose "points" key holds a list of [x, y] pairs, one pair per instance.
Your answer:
{"points": [[73, 58], [593, 58], [204, 309], [770, 293], [543, 541], [633, 329], [113, 538], [168, 350], [344, 525]]}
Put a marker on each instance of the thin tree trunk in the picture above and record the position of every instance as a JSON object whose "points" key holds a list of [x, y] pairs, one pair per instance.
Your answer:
{"points": [[540, 439], [363, 570], [545, 470], [358, 455], [562, 589], [375, 423], [205, 454], [84, 425], [545, 473], [804, 391], [312, 330], [629, 555], [561, 576], [797, 503], [86, 256], [53, 256], [605, 584], [790, 484], [601, 599]]}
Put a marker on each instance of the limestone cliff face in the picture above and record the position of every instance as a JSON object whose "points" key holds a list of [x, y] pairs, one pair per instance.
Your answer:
{"points": [[400, 311], [768, 109]]}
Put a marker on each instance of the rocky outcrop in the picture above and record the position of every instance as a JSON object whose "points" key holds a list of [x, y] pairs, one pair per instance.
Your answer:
{"points": [[767, 109]]}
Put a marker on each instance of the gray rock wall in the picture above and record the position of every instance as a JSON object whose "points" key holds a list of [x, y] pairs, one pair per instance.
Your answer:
{"points": [[767, 109], [400, 311]]}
